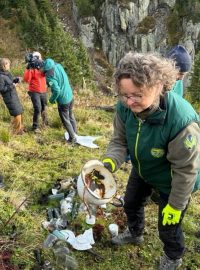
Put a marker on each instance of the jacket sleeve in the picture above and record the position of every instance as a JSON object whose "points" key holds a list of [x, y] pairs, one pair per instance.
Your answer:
{"points": [[3, 87], [27, 75], [55, 89], [117, 148], [184, 156]]}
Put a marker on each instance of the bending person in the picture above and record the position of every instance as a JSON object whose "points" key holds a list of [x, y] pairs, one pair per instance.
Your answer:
{"points": [[61, 90], [161, 132]]}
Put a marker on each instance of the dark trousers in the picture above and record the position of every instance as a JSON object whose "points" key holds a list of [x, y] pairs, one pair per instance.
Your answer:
{"points": [[68, 119], [137, 193], [39, 101]]}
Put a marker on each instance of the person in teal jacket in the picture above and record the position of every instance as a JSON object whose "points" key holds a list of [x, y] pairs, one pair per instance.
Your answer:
{"points": [[62, 94], [183, 62], [161, 131]]}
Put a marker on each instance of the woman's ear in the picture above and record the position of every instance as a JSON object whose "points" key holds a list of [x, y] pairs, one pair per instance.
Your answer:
{"points": [[160, 86]]}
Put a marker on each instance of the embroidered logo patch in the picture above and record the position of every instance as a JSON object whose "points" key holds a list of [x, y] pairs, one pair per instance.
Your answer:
{"points": [[190, 142], [157, 152]]}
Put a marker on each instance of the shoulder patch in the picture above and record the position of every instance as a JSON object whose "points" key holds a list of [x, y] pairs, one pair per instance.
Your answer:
{"points": [[157, 152], [190, 142]]}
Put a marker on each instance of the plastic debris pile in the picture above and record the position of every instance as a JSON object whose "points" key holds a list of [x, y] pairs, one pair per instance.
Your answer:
{"points": [[63, 237]]}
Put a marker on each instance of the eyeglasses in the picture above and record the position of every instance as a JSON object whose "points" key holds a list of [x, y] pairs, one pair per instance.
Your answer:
{"points": [[125, 98]]}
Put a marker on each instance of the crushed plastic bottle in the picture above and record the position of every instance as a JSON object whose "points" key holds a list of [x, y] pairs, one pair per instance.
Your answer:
{"points": [[58, 196], [47, 266], [63, 259], [66, 206], [50, 241]]}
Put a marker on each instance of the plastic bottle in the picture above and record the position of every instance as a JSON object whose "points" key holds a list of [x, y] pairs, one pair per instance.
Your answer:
{"points": [[49, 214], [71, 194], [50, 241], [56, 213], [66, 206], [47, 266], [63, 259], [58, 196]]}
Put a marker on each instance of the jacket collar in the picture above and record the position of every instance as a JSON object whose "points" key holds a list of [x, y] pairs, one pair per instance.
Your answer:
{"points": [[155, 115]]}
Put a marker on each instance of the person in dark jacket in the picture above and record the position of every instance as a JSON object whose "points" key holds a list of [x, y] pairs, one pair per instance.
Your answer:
{"points": [[183, 63], [161, 131], [62, 94], [10, 96], [37, 92]]}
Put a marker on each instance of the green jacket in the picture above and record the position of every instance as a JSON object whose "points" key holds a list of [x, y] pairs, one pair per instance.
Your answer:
{"points": [[178, 88], [57, 80], [164, 147]]}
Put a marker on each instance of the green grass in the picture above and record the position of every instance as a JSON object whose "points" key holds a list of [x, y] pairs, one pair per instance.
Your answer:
{"points": [[31, 165]]}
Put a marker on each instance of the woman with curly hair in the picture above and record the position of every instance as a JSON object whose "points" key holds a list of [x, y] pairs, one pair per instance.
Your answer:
{"points": [[161, 131]]}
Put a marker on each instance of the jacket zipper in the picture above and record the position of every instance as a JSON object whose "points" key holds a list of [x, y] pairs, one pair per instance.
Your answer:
{"points": [[136, 146]]}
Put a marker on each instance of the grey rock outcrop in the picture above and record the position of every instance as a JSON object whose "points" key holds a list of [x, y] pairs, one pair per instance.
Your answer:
{"points": [[135, 25]]}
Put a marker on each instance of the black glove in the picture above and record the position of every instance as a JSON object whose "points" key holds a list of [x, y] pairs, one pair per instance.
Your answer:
{"points": [[28, 66], [108, 166], [16, 80]]}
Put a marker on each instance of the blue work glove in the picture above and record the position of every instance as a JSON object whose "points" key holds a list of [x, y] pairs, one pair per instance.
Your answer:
{"points": [[171, 216]]}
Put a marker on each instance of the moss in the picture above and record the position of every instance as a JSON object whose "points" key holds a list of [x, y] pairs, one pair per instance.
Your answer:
{"points": [[174, 28], [146, 25], [88, 8]]}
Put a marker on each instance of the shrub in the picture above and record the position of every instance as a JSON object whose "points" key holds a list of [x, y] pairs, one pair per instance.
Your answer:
{"points": [[4, 135]]}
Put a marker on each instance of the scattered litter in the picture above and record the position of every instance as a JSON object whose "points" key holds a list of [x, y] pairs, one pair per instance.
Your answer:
{"points": [[90, 219], [96, 185], [86, 141], [113, 229], [58, 196], [63, 259], [81, 242], [50, 240], [100, 188], [103, 206], [118, 201], [94, 181]]}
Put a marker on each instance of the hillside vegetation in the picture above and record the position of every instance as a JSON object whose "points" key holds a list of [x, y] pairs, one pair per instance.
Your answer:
{"points": [[33, 163], [37, 25]]}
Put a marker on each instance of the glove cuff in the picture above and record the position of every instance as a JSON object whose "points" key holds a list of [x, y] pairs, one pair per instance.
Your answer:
{"points": [[110, 161]]}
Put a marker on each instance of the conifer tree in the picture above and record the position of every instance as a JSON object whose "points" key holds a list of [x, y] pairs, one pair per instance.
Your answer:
{"points": [[193, 89]]}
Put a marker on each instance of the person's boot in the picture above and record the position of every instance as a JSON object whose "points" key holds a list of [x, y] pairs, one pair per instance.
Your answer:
{"points": [[127, 238], [168, 264]]}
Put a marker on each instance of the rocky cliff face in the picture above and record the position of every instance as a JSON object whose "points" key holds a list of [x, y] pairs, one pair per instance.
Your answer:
{"points": [[139, 25]]}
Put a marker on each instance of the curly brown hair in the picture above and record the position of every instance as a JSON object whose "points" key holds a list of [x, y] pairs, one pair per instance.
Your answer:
{"points": [[145, 70]]}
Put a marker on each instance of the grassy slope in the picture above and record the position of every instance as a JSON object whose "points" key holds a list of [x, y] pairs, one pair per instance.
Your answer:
{"points": [[32, 163]]}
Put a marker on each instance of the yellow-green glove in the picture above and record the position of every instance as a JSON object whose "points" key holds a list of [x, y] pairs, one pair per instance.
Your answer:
{"points": [[170, 215], [109, 164]]}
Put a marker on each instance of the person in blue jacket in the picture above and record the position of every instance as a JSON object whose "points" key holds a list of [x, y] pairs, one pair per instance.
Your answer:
{"points": [[183, 62], [62, 94]]}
